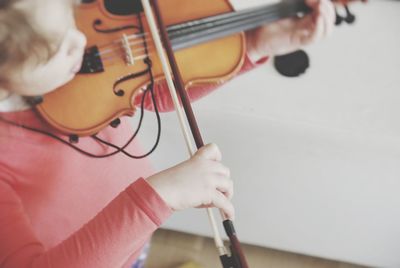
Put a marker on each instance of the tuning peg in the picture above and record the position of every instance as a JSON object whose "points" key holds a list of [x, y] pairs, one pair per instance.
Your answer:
{"points": [[350, 18], [339, 19]]}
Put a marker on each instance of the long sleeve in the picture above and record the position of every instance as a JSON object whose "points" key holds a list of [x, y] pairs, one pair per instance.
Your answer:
{"points": [[163, 97], [107, 240]]}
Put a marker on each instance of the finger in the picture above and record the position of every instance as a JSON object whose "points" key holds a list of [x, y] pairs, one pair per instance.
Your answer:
{"points": [[220, 201], [314, 5], [331, 11], [328, 13], [220, 179], [305, 31], [225, 186], [331, 15], [311, 27], [304, 27], [210, 152], [317, 31], [319, 21], [222, 170]]}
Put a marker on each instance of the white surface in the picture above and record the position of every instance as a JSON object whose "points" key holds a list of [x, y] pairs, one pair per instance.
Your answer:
{"points": [[316, 159]]}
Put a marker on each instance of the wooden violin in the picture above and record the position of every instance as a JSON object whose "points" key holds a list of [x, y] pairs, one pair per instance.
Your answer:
{"points": [[206, 35], [127, 52]]}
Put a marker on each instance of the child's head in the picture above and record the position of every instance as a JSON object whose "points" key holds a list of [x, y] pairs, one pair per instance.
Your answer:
{"points": [[40, 47]]}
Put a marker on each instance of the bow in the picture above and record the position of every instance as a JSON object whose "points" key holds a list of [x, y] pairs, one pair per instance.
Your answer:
{"points": [[236, 259]]}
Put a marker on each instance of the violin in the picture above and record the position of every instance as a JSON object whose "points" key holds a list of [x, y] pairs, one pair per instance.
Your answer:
{"points": [[120, 61], [205, 44]]}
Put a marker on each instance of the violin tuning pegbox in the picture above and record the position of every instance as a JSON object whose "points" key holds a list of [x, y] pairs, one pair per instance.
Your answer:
{"points": [[347, 17], [350, 17], [339, 18]]}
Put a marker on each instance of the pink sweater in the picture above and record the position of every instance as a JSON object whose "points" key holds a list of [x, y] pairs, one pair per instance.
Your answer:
{"points": [[59, 208]]}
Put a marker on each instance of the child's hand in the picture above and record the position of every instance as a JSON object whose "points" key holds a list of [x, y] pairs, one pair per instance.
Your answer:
{"points": [[291, 34], [201, 181]]}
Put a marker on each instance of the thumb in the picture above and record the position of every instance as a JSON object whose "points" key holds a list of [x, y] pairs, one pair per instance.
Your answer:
{"points": [[209, 152]]}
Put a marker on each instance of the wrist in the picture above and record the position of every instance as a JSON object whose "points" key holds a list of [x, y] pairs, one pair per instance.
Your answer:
{"points": [[161, 188], [150, 202]]}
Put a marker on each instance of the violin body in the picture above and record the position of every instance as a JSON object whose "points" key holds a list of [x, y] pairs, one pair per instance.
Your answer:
{"points": [[120, 60], [91, 101]]}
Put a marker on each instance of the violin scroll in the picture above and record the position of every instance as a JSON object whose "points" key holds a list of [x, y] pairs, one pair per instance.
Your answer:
{"points": [[348, 17]]}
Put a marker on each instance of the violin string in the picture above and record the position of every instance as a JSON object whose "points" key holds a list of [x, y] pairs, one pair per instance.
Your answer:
{"points": [[109, 50], [138, 46], [223, 19], [112, 59], [228, 29], [137, 49], [191, 27]]}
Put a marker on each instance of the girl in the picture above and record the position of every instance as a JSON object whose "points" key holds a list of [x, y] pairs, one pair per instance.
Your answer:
{"points": [[60, 208]]}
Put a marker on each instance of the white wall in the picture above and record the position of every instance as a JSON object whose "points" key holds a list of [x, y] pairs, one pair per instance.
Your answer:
{"points": [[315, 159]]}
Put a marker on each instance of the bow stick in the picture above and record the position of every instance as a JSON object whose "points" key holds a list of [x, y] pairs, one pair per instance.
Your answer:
{"points": [[237, 258]]}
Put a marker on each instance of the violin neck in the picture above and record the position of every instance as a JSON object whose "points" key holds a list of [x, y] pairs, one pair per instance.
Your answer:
{"points": [[200, 31]]}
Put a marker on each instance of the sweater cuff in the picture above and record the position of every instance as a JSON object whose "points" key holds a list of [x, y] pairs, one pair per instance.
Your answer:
{"points": [[150, 201], [248, 64]]}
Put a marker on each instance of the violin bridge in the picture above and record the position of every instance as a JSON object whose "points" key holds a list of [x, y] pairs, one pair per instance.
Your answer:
{"points": [[130, 60]]}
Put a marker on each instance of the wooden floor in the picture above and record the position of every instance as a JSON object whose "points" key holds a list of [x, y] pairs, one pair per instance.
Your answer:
{"points": [[172, 249]]}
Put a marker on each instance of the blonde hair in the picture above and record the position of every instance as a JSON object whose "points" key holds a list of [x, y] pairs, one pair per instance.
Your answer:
{"points": [[19, 40]]}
